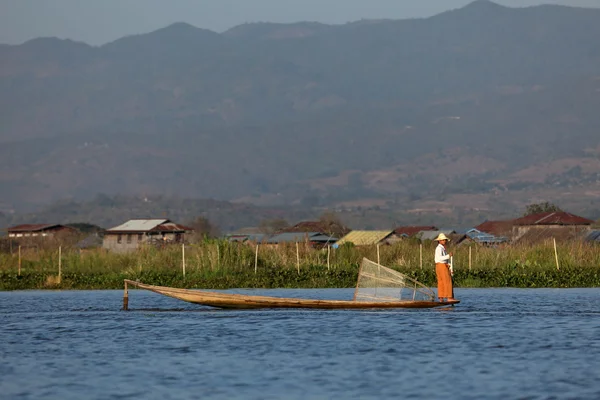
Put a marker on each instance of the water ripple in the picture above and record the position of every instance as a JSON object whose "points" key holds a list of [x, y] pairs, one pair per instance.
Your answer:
{"points": [[498, 343]]}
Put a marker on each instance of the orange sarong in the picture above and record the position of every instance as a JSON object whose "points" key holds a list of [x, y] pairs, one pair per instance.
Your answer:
{"points": [[444, 279]]}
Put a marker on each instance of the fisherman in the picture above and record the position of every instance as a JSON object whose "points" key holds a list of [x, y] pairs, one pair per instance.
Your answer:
{"points": [[442, 269]]}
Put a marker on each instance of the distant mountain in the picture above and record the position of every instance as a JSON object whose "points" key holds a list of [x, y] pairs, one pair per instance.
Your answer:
{"points": [[464, 107], [269, 30]]}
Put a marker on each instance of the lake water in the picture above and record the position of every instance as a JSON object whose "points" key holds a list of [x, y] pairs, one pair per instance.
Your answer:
{"points": [[498, 343]]}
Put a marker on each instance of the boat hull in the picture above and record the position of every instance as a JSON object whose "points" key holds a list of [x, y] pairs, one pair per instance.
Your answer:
{"points": [[240, 301]]}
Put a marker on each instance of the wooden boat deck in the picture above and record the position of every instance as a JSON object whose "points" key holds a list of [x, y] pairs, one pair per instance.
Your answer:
{"points": [[240, 301]]}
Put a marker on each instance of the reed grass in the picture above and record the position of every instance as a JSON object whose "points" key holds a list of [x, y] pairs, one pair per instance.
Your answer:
{"points": [[220, 264]]}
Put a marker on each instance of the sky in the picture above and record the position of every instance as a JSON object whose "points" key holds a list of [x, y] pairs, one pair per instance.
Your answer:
{"points": [[100, 21]]}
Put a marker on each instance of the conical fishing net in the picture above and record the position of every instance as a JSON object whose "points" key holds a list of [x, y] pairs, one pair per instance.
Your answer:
{"points": [[378, 283]]}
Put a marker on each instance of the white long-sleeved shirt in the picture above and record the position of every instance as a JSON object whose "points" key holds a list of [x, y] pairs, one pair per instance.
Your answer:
{"points": [[440, 254]]}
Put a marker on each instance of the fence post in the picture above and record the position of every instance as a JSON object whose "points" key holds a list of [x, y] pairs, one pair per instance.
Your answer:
{"points": [[298, 258], [256, 259], [556, 254], [469, 258], [183, 258], [59, 264], [125, 298]]}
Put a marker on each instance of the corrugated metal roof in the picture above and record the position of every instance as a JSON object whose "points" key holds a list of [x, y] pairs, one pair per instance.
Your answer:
{"points": [[483, 237], [543, 234], [292, 237], [553, 218], [323, 238], [32, 227], [138, 225], [257, 237], [172, 227], [496, 227], [430, 235], [364, 238], [593, 236]]}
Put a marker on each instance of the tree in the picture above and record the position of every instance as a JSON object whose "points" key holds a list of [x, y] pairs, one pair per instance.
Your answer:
{"points": [[85, 227], [203, 228], [543, 207], [332, 224], [270, 226]]}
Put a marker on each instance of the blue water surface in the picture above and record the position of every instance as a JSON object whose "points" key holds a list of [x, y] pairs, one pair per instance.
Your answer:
{"points": [[498, 344]]}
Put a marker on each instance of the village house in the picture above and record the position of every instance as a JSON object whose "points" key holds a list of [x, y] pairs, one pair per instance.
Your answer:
{"points": [[89, 244], [593, 236], [313, 239], [560, 225], [368, 238], [412, 231], [484, 238], [137, 232], [324, 227], [431, 235], [247, 237], [39, 231], [502, 228], [455, 237]]}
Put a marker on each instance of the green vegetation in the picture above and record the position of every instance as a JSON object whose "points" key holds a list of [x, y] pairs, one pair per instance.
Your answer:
{"points": [[538, 208], [220, 265]]}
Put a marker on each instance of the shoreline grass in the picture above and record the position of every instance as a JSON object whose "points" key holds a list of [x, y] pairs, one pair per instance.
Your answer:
{"points": [[217, 264]]}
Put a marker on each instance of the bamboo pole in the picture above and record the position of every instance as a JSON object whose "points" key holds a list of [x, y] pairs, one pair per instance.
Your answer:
{"points": [[328, 253], [421, 255], [59, 264], [469, 258], [556, 254], [452, 275], [357, 282], [378, 260], [125, 298], [298, 258], [183, 258], [19, 273], [256, 259]]}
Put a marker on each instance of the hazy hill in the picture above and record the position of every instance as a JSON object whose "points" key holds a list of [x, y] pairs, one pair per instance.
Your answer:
{"points": [[465, 106]]}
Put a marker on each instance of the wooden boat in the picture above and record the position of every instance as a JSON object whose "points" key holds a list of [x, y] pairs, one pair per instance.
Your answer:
{"points": [[240, 301], [377, 287], [228, 300]]}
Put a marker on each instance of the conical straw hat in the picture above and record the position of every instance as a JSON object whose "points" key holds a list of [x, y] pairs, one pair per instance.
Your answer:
{"points": [[441, 236]]}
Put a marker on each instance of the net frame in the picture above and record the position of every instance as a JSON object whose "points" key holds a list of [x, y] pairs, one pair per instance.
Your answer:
{"points": [[379, 283]]}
